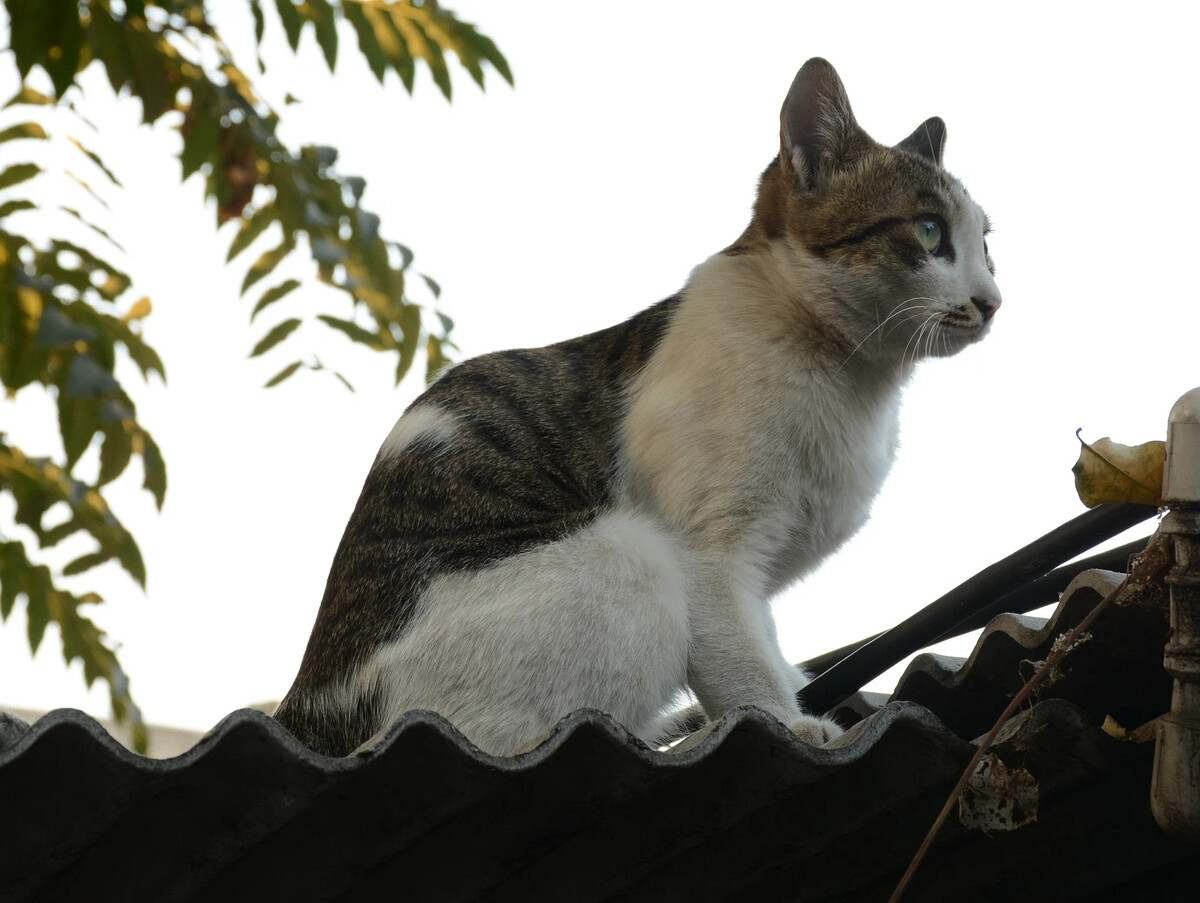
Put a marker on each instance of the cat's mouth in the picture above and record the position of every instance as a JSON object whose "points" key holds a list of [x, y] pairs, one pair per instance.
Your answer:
{"points": [[955, 329], [970, 317]]}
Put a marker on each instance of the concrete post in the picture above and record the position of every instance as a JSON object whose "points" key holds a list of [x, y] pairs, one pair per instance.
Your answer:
{"points": [[1175, 790]]}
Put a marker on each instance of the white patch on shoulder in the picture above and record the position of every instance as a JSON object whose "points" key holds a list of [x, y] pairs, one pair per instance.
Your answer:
{"points": [[422, 423], [598, 619]]}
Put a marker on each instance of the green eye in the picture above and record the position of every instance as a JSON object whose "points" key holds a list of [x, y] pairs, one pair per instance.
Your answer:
{"points": [[929, 233]]}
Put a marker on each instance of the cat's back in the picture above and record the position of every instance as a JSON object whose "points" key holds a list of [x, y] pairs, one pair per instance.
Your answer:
{"points": [[503, 453]]}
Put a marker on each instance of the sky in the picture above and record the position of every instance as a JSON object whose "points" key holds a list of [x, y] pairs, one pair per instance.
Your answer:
{"points": [[628, 152]]}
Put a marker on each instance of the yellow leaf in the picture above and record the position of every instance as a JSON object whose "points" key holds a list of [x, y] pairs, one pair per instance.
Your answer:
{"points": [[1110, 472], [1144, 734], [139, 311]]}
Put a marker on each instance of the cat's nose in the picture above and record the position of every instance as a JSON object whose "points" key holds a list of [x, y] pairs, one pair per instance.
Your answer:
{"points": [[988, 305]]}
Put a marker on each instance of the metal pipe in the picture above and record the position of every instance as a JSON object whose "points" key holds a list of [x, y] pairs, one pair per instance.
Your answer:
{"points": [[1175, 789]]}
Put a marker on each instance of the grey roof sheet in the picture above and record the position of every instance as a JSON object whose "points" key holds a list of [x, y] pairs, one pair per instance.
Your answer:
{"points": [[592, 814]]}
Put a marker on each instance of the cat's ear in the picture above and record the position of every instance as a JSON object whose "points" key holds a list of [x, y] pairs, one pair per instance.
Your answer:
{"points": [[817, 129], [929, 140]]}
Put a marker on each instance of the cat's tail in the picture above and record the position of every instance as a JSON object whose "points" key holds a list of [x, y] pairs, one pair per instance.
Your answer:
{"points": [[326, 724]]}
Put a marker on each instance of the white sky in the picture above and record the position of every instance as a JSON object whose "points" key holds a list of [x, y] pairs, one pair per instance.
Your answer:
{"points": [[627, 153]]}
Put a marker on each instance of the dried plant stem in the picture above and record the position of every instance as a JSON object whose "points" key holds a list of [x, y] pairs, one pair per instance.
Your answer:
{"points": [[1057, 653]]}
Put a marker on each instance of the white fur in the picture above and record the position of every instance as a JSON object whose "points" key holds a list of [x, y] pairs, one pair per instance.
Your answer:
{"points": [[597, 619], [426, 423], [748, 444]]}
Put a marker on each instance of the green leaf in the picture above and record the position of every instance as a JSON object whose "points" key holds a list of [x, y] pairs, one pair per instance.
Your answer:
{"points": [[18, 173], [106, 38], [275, 336], [326, 26], [150, 57], [99, 164], [410, 324], [260, 24], [155, 470], [355, 184], [37, 606], [290, 18], [23, 130], [283, 374], [267, 262], [78, 421], [143, 355], [435, 358], [62, 56], [252, 228], [115, 453], [28, 95], [10, 207], [326, 252], [57, 534], [353, 330], [368, 43], [88, 188], [368, 226], [79, 216], [87, 378], [200, 136], [274, 294], [12, 575], [85, 563], [26, 35], [413, 32]]}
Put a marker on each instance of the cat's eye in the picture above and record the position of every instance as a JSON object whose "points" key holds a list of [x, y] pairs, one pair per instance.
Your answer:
{"points": [[931, 232]]}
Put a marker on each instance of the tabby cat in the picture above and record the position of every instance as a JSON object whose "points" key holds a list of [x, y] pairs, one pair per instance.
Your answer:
{"points": [[601, 523]]}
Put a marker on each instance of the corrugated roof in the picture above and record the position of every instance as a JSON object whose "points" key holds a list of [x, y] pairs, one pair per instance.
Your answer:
{"points": [[749, 812]]}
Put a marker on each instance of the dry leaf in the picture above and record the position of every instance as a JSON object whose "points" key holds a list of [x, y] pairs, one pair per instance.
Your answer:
{"points": [[998, 798], [139, 310], [1110, 472], [1144, 734]]}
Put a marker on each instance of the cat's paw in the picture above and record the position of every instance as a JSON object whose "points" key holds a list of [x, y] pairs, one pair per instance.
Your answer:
{"points": [[817, 731]]}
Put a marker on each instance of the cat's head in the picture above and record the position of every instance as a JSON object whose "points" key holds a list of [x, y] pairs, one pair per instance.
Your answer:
{"points": [[896, 243]]}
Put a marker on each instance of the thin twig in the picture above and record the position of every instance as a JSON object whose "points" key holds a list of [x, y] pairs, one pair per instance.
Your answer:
{"points": [[1057, 653]]}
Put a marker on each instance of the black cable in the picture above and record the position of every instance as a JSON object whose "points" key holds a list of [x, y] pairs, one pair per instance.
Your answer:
{"points": [[1035, 594], [969, 600]]}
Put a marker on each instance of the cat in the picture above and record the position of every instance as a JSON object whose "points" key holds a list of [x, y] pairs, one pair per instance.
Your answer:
{"points": [[601, 523]]}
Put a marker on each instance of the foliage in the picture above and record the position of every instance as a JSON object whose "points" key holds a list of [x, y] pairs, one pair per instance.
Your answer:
{"points": [[67, 314]]}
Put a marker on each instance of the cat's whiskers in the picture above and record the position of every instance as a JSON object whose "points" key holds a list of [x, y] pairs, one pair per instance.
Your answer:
{"points": [[910, 305], [915, 339], [933, 334]]}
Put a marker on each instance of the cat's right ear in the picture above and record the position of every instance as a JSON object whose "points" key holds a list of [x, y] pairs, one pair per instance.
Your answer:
{"points": [[929, 140], [817, 128]]}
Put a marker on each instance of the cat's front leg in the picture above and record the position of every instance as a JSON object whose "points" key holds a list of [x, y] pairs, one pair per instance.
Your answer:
{"points": [[816, 729], [734, 659], [813, 729]]}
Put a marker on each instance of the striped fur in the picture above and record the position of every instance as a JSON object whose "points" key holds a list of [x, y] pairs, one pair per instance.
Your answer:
{"points": [[602, 522]]}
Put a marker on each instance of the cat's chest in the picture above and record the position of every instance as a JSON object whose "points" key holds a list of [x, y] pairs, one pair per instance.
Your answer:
{"points": [[775, 470], [819, 478]]}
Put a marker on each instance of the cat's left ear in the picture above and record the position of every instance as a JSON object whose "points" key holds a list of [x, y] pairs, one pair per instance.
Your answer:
{"points": [[928, 141], [817, 129]]}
